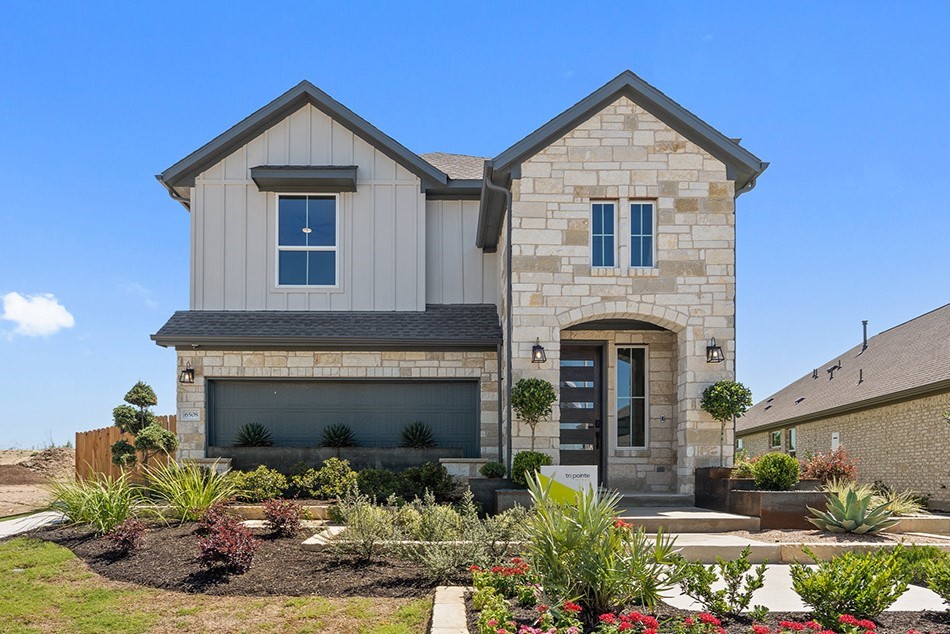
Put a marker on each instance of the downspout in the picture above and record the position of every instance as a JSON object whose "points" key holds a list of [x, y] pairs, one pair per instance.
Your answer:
{"points": [[508, 335], [501, 418]]}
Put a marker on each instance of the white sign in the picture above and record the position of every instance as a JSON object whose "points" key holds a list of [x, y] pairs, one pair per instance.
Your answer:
{"points": [[835, 440], [572, 476], [190, 415]]}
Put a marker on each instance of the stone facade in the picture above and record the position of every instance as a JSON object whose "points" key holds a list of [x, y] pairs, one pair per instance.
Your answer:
{"points": [[624, 154], [905, 445], [297, 365]]}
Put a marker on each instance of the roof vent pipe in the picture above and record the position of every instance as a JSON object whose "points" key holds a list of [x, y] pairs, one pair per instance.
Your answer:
{"points": [[864, 325]]}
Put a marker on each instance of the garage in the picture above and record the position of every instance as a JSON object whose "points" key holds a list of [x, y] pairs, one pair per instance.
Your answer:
{"points": [[296, 411]]}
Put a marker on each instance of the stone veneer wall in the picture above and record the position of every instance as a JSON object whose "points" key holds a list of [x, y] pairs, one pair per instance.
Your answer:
{"points": [[625, 154], [652, 468], [905, 445], [211, 364]]}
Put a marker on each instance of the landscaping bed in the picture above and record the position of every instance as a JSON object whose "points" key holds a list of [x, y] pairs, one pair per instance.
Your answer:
{"points": [[796, 536]]}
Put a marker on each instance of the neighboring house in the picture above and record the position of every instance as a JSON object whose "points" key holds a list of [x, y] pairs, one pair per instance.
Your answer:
{"points": [[336, 276], [883, 400]]}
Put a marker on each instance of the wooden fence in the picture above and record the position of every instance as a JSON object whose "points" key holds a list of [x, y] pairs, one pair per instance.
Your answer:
{"points": [[94, 448]]}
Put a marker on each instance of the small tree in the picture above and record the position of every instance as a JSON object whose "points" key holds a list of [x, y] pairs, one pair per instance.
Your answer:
{"points": [[726, 400], [136, 416], [532, 400]]}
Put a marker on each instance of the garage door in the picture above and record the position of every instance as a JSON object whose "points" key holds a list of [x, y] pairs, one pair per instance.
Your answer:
{"points": [[297, 411]]}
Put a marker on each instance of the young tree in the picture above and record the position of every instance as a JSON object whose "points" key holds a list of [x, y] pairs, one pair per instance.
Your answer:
{"points": [[136, 418], [726, 400], [532, 400]]}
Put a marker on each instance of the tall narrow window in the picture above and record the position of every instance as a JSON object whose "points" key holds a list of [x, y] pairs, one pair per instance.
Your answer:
{"points": [[602, 234], [631, 397], [641, 234], [306, 241], [790, 445]]}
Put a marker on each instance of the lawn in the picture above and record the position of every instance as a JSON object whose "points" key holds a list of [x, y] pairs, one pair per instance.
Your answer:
{"points": [[47, 589]]}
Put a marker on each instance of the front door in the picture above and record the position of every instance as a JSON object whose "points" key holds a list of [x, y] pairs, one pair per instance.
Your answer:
{"points": [[581, 406]]}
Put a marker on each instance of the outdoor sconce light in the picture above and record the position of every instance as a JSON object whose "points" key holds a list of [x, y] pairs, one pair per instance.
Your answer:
{"points": [[714, 352], [537, 352], [187, 375]]}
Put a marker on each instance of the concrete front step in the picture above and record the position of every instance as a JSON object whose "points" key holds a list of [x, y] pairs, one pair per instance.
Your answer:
{"points": [[687, 520], [656, 499]]}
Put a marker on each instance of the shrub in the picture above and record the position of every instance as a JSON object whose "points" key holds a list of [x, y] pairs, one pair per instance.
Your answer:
{"points": [[532, 400], [337, 435], [725, 401], [431, 476], [334, 479], [378, 484], [902, 502], [103, 502], [492, 470], [834, 465], [127, 536], [258, 485], [282, 517], [302, 484], [860, 585], [847, 512], [730, 601], [744, 467], [123, 453], [154, 440], [525, 464], [914, 561], [417, 435], [775, 472], [366, 526], [213, 515], [938, 577], [228, 546], [135, 416], [189, 488], [253, 435]]}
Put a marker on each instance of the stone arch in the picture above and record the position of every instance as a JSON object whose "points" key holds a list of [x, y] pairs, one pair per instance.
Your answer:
{"points": [[668, 318]]}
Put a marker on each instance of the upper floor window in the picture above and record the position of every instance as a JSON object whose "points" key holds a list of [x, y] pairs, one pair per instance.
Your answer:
{"points": [[602, 245], [641, 234], [631, 397], [307, 240]]}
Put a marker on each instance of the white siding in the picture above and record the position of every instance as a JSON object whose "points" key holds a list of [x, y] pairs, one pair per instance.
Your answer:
{"points": [[457, 272], [382, 226]]}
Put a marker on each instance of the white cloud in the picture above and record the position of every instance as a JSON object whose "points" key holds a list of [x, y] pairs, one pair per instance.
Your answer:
{"points": [[36, 315], [137, 290]]}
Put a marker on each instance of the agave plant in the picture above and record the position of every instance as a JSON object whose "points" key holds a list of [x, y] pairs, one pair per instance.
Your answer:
{"points": [[417, 435], [848, 513], [337, 435], [253, 435]]}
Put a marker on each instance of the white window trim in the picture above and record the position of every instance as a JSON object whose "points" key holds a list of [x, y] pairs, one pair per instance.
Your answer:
{"points": [[590, 234], [646, 399], [772, 434], [791, 448], [630, 204], [278, 248]]}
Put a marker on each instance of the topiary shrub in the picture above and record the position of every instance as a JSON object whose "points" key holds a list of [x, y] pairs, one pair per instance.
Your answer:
{"points": [[417, 435], [725, 401], [337, 435], [835, 465], [154, 440], [492, 470], [525, 464], [135, 416], [258, 485], [532, 400], [431, 477], [282, 517], [776, 472], [123, 453], [253, 435]]}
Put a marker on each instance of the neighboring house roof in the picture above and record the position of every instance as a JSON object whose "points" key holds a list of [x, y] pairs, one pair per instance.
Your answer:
{"points": [[183, 173], [439, 326], [459, 166], [908, 360], [741, 165]]}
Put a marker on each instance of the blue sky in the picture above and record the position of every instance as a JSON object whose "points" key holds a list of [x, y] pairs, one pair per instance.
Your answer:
{"points": [[848, 101]]}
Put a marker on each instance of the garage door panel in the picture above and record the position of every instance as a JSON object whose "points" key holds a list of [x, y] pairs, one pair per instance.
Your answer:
{"points": [[297, 411]]}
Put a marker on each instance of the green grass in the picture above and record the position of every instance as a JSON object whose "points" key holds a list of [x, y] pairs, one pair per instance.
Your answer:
{"points": [[46, 589]]}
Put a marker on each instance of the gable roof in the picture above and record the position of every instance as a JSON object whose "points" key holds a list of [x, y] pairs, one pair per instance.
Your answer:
{"points": [[183, 173], [906, 361], [457, 166], [741, 165]]}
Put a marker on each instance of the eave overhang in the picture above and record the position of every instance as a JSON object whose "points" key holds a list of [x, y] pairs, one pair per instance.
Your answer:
{"points": [[314, 179]]}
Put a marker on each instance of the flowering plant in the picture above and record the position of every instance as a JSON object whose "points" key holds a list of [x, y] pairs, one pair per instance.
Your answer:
{"points": [[506, 580]]}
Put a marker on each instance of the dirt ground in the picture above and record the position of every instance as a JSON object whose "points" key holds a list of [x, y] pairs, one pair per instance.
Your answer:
{"points": [[24, 475]]}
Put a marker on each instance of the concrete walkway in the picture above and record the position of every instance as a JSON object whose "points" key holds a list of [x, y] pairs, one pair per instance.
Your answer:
{"points": [[8, 528], [777, 595]]}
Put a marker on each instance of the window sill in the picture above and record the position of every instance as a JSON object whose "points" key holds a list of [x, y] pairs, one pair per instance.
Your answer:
{"points": [[621, 272]]}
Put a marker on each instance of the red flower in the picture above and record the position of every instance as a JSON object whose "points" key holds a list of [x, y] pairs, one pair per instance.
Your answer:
{"points": [[542, 608], [813, 625], [689, 621], [516, 560], [609, 619], [760, 629], [474, 569], [492, 622], [706, 617], [624, 626], [572, 607], [650, 622], [791, 625], [650, 631], [866, 624]]}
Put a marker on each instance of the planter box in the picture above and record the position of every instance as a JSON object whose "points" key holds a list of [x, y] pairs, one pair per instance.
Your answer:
{"points": [[484, 489], [284, 459], [775, 509], [508, 498]]}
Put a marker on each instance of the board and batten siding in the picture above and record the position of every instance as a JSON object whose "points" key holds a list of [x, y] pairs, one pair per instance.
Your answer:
{"points": [[381, 235], [457, 272]]}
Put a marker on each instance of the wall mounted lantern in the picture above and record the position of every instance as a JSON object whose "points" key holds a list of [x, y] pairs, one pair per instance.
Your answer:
{"points": [[187, 375], [537, 352], [714, 353]]}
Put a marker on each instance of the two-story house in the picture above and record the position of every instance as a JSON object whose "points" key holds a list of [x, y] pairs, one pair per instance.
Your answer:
{"points": [[338, 277]]}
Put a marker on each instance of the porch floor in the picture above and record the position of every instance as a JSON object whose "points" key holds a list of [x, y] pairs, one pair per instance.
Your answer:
{"points": [[686, 519]]}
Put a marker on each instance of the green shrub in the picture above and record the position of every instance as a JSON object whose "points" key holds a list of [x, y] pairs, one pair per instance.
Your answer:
{"points": [[154, 440], [258, 485], [532, 400], [337, 435], [525, 464], [103, 502], [743, 466], [492, 470], [730, 601], [188, 488], [123, 453], [417, 435], [431, 476], [938, 577], [367, 524], [253, 435], [847, 512], [776, 472], [862, 585], [136, 416], [914, 561], [902, 502], [302, 484], [378, 484], [334, 479]]}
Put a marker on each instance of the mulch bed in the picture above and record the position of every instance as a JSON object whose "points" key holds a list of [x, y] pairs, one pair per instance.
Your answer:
{"points": [[280, 567], [795, 536]]}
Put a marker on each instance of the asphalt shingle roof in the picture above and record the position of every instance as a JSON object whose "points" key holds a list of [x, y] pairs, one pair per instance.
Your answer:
{"points": [[906, 358], [458, 166], [444, 325]]}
